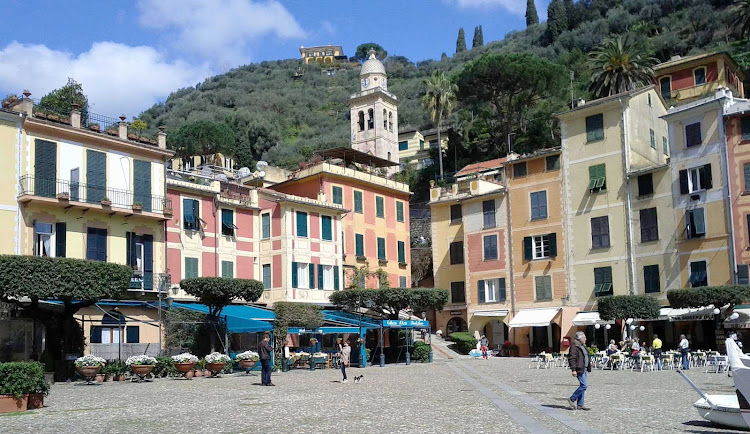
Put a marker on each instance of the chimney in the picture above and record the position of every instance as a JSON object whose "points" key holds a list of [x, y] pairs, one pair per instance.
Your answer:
{"points": [[27, 104], [75, 116], [581, 102], [161, 138], [122, 128]]}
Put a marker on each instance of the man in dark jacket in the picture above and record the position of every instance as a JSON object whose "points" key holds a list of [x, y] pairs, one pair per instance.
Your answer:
{"points": [[580, 365], [264, 351]]}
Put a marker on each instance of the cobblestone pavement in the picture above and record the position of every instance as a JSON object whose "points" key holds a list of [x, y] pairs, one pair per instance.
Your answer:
{"points": [[448, 396]]}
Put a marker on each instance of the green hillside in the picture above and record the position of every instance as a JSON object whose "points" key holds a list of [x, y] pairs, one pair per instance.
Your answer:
{"points": [[284, 120]]}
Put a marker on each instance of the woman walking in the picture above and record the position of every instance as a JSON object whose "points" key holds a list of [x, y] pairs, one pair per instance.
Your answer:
{"points": [[345, 351]]}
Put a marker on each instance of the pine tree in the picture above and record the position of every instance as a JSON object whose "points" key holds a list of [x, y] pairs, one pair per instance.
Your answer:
{"points": [[532, 17], [443, 56], [557, 19], [461, 41], [478, 40]]}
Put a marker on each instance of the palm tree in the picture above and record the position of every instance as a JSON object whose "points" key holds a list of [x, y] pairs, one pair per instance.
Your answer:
{"points": [[619, 65], [439, 101], [741, 13]]}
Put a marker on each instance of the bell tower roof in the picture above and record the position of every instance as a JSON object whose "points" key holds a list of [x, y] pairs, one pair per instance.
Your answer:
{"points": [[372, 65]]}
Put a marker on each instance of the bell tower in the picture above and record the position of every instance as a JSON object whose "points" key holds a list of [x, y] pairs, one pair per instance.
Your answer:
{"points": [[374, 114]]}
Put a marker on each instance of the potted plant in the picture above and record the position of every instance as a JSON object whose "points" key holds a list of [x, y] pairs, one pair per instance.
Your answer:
{"points": [[22, 386], [247, 360], [137, 206], [63, 195], [141, 366], [88, 366], [111, 131], [184, 364], [198, 371], [106, 202], [95, 127], [215, 362], [117, 370]]}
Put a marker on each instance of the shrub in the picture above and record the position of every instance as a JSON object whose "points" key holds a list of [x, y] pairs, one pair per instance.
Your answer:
{"points": [[465, 342], [421, 352], [22, 378], [628, 306], [164, 367]]}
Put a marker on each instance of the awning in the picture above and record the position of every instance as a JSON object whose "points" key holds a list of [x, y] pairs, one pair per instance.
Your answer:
{"points": [[743, 321], [589, 318], [692, 314], [239, 317], [495, 313], [540, 317]]}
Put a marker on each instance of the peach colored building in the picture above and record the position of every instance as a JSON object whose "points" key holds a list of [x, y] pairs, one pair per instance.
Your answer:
{"points": [[737, 121]]}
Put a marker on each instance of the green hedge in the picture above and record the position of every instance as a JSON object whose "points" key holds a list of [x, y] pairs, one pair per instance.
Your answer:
{"points": [[421, 352], [22, 378], [628, 306], [465, 342], [706, 295]]}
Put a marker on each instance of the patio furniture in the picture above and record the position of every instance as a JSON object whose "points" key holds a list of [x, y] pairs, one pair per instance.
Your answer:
{"points": [[616, 361], [718, 364], [667, 360], [647, 362]]}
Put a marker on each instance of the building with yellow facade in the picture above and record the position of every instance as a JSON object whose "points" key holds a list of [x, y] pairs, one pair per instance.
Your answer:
{"points": [[322, 54], [417, 147], [685, 79]]}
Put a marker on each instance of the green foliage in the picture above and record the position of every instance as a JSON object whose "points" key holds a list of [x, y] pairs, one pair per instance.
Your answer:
{"points": [[391, 300], [557, 19], [61, 100], [138, 125], [741, 13], [439, 101], [619, 65], [461, 41], [718, 296], [532, 17], [421, 352], [628, 306], [363, 51], [478, 40], [203, 138], [465, 342], [22, 378], [217, 292], [290, 314], [164, 367], [115, 367]]}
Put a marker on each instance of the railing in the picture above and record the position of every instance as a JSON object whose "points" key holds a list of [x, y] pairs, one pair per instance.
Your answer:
{"points": [[91, 193], [104, 122]]}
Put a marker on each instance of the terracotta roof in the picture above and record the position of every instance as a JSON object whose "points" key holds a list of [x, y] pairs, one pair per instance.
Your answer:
{"points": [[482, 166]]}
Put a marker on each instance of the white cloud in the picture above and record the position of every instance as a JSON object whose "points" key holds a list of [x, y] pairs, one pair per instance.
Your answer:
{"points": [[116, 78], [327, 28], [514, 6], [220, 29]]}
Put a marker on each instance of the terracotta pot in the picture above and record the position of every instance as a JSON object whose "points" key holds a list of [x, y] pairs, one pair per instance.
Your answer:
{"points": [[189, 374], [197, 373], [88, 372], [137, 207], [100, 378], [106, 203], [36, 400], [121, 377], [9, 403], [208, 372], [184, 367], [248, 364], [141, 370]]}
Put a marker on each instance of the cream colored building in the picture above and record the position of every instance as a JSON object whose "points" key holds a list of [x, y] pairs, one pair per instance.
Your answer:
{"points": [[324, 54], [415, 146]]}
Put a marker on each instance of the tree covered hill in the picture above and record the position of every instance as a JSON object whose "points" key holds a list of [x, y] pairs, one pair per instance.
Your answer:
{"points": [[284, 119]]}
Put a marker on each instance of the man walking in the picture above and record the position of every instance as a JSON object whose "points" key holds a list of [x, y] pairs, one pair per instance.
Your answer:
{"points": [[264, 351], [580, 365], [345, 352], [685, 352], [656, 345]]}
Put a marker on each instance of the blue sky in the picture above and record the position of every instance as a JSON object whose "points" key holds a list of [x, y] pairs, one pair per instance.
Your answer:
{"points": [[131, 54]]}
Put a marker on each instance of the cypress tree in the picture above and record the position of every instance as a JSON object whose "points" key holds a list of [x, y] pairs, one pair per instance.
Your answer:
{"points": [[478, 40], [557, 19], [570, 12], [443, 56], [532, 17], [461, 41], [481, 35]]}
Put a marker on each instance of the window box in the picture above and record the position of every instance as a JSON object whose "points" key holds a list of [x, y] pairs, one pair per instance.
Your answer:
{"points": [[402, 264], [137, 207], [361, 258], [63, 196], [106, 202], [382, 261]]}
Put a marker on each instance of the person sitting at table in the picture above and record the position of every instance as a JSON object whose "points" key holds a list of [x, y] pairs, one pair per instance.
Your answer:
{"points": [[627, 347], [612, 348], [635, 347]]}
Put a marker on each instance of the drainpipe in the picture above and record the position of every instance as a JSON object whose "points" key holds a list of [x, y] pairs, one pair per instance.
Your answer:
{"points": [[727, 193], [216, 233], [22, 118], [628, 204], [510, 257]]}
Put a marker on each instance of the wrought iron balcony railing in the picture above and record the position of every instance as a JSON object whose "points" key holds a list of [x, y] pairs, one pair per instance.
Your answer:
{"points": [[91, 193]]}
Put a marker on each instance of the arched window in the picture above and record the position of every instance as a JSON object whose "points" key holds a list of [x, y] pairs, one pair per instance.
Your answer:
{"points": [[389, 156], [385, 120], [371, 119], [390, 121], [361, 121]]}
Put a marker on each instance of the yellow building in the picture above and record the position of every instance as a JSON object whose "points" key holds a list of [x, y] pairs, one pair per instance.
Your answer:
{"points": [[415, 147], [685, 79], [322, 54], [11, 138]]}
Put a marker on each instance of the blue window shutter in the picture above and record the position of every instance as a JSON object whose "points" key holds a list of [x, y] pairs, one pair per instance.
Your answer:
{"points": [[480, 290], [197, 214], [501, 289], [96, 176], [336, 277], [327, 228], [266, 220], [311, 272], [133, 334], [301, 224], [142, 183], [320, 276], [401, 252], [148, 262], [227, 222], [294, 274], [188, 219], [60, 236]]}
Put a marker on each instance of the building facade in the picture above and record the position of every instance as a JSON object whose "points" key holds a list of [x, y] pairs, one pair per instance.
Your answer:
{"points": [[737, 124], [417, 147], [324, 54], [685, 79]]}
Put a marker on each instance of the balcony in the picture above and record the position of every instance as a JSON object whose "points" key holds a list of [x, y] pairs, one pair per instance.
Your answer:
{"points": [[112, 200]]}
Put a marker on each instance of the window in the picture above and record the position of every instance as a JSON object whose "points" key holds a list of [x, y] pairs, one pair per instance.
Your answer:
{"points": [[227, 269], [649, 225], [303, 279], [645, 185], [266, 225], [491, 290], [519, 170], [699, 76], [543, 287], [538, 205], [540, 247], [385, 119], [433, 144], [379, 207], [132, 334], [457, 252], [456, 214], [695, 179], [653, 138], [43, 239], [693, 135], [665, 85], [599, 232], [338, 195], [381, 249], [190, 214], [664, 146], [359, 245], [361, 120], [458, 292], [421, 145], [553, 162], [227, 222], [746, 171], [742, 275], [325, 277], [651, 278], [191, 268], [490, 247], [597, 177], [603, 281], [649, 100], [745, 129], [399, 211], [401, 252], [301, 224], [695, 223], [402, 283], [698, 274], [390, 121], [96, 244], [595, 128], [403, 146], [358, 202], [266, 276], [370, 119], [326, 223], [488, 210]]}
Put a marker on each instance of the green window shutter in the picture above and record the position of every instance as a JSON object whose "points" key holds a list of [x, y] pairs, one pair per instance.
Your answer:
{"points": [[399, 211], [602, 176], [381, 249], [142, 183], [653, 138], [311, 272], [358, 202], [401, 252], [227, 222], [338, 195], [45, 168], [552, 244], [133, 334], [60, 237], [130, 257], [266, 222], [191, 268], [528, 248], [320, 276], [148, 262], [359, 240], [96, 176], [379, 207], [301, 224], [593, 172], [500, 290], [227, 269], [664, 146], [327, 228], [294, 274], [336, 277], [747, 177], [699, 221], [480, 291]]}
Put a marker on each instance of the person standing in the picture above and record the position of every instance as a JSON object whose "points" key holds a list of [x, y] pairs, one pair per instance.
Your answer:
{"points": [[264, 351], [580, 365], [345, 351], [656, 345], [685, 352], [485, 346]]}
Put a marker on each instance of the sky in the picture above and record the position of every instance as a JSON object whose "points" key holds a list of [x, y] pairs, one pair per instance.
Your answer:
{"points": [[131, 54]]}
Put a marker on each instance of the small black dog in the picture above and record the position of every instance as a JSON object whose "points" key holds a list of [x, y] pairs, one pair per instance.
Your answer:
{"points": [[358, 379]]}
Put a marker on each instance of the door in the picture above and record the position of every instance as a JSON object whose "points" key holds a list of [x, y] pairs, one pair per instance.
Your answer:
{"points": [[45, 168], [74, 180]]}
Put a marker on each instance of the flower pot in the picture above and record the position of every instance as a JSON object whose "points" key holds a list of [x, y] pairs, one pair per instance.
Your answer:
{"points": [[141, 371], [88, 372], [248, 364], [132, 136], [63, 196], [121, 377], [184, 367], [96, 128], [215, 368], [106, 203], [36, 400], [9, 403], [207, 372], [197, 373], [100, 378], [138, 208]]}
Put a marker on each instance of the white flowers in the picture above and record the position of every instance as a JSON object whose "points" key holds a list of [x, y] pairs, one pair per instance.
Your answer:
{"points": [[185, 358], [248, 355], [90, 361], [140, 360], [217, 358]]}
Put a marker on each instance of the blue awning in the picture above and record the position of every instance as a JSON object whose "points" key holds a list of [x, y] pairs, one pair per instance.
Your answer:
{"points": [[239, 317], [350, 319]]}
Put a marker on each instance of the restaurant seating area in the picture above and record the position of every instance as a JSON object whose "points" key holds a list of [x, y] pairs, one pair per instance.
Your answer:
{"points": [[709, 361], [318, 360]]}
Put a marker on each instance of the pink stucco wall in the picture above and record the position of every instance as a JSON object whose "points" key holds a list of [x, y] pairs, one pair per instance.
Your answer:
{"points": [[208, 266], [476, 252], [174, 263], [276, 271], [245, 269]]}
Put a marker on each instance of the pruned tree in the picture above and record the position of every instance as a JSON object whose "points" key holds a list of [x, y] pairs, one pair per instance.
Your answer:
{"points": [[391, 300], [290, 314], [718, 296], [628, 306]]}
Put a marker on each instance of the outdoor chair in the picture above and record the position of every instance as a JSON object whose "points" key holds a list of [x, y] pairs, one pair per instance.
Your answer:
{"points": [[648, 363], [717, 364], [667, 361]]}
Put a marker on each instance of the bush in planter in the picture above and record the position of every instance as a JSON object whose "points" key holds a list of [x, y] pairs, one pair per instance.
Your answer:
{"points": [[248, 355], [164, 367], [22, 378], [421, 352], [465, 342]]}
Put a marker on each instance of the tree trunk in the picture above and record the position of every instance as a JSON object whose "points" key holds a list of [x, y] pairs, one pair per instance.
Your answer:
{"points": [[440, 144]]}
